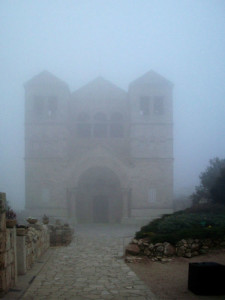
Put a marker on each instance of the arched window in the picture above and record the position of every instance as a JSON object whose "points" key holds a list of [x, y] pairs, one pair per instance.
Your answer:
{"points": [[116, 125], [52, 106], [83, 125], [100, 125]]}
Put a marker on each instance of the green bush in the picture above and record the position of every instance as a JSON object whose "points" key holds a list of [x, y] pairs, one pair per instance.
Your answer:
{"points": [[204, 222]]}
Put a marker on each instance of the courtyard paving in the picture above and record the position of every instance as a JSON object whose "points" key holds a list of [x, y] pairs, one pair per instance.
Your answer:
{"points": [[91, 267]]}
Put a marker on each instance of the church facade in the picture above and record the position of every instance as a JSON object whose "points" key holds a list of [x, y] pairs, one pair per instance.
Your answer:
{"points": [[99, 154]]}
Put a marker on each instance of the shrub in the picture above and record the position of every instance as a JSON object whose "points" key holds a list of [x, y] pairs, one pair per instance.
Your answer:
{"points": [[211, 188], [201, 223]]}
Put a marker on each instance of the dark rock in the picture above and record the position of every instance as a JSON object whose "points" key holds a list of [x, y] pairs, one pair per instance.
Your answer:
{"points": [[134, 241], [159, 249], [140, 242], [195, 246], [151, 246], [169, 250], [132, 249], [188, 255], [181, 251], [147, 252]]}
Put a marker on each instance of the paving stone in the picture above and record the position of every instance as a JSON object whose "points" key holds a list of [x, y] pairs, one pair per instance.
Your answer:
{"points": [[89, 269]]}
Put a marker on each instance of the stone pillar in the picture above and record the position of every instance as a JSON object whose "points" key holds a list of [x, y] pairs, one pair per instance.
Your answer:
{"points": [[2, 212], [21, 255], [15, 257]]}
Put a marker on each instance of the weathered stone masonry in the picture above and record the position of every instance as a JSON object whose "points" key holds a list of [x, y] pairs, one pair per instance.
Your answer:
{"points": [[99, 154], [19, 249], [8, 261]]}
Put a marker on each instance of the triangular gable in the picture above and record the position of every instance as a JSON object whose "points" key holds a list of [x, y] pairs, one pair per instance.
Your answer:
{"points": [[151, 77], [45, 77], [99, 84]]}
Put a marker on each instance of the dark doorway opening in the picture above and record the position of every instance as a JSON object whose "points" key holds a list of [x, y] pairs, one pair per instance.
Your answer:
{"points": [[100, 209], [99, 196]]}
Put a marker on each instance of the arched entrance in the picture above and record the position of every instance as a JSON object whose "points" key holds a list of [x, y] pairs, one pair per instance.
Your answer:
{"points": [[99, 196]]}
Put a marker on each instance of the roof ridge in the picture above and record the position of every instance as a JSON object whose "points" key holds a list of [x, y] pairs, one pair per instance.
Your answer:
{"points": [[151, 76], [44, 74]]}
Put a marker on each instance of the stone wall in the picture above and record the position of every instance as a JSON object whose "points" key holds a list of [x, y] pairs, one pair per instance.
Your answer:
{"points": [[163, 251], [19, 248], [31, 244], [60, 235], [37, 242], [8, 260]]}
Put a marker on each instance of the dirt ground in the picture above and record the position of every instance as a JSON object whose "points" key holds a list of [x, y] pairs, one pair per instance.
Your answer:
{"points": [[170, 280]]}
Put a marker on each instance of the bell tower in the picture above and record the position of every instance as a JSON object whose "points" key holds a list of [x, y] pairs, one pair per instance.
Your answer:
{"points": [[151, 142], [46, 109]]}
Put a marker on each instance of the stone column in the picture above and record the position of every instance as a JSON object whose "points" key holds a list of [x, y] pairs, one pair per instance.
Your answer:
{"points": [[21, 255], [15, 256]]}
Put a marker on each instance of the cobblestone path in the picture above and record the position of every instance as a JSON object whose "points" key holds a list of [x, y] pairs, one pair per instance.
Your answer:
{"points": [[90, 268]]}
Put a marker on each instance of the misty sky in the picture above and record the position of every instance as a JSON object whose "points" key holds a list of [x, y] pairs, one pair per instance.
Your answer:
{"points": [[77, 40]]}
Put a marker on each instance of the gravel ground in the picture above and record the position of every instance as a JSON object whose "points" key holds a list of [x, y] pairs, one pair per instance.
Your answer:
{"points": [[169, 280]]}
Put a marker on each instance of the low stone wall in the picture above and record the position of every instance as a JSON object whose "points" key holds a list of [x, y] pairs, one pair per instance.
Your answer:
{"points": [[19, 248], [162, 251], [31, 244], [60, 235], [37, 242], [8, 261]]}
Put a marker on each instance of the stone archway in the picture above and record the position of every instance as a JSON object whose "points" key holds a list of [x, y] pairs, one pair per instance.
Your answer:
{"points": [[99, 196]]}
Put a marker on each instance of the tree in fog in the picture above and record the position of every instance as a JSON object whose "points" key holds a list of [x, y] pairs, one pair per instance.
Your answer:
{"points": [[212, 183], [218, 189]]}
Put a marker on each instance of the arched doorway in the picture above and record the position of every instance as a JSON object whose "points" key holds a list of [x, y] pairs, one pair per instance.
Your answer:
{"points": [[99, 196]]}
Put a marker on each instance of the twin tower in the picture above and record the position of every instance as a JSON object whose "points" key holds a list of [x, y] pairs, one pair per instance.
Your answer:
{"points": [[99, 154]]}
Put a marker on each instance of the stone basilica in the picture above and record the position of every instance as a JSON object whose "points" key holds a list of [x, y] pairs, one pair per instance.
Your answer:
{"points": [[99, 154]]}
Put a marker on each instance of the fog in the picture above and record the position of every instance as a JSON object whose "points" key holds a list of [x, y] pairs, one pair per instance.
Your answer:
{"points": [[77, 41]]}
